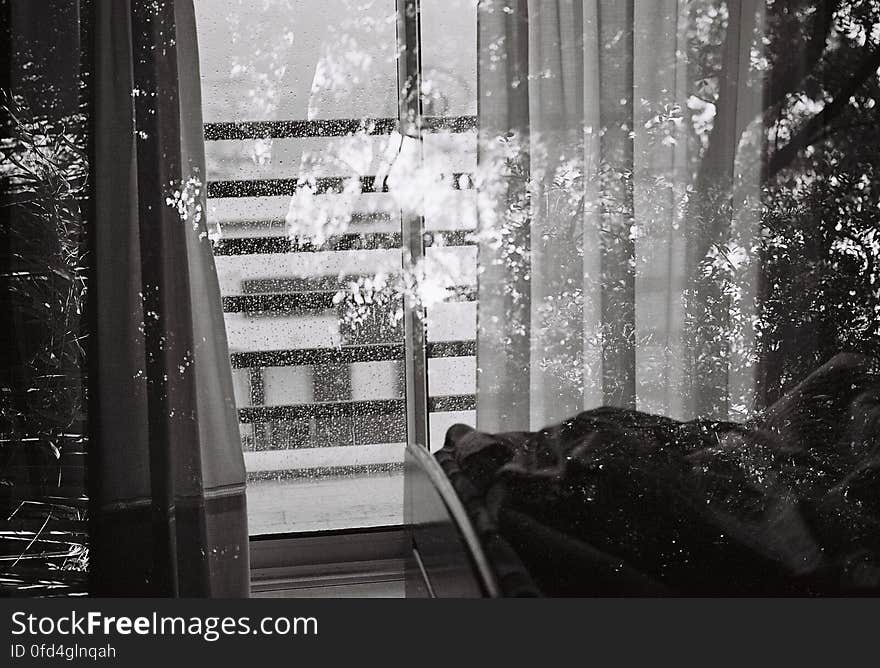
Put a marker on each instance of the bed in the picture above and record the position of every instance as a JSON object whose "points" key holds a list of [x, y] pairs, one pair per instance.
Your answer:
{"points": [[619, 502]]}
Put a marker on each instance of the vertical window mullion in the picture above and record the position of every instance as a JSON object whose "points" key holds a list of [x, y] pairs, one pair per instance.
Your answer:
{"points": [[409, 72]]}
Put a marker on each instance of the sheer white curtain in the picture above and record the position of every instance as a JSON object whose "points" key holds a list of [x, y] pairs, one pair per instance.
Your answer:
{"points": [[620, 164]]}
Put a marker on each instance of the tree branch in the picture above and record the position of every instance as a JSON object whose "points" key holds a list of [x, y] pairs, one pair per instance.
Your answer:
{"points": [[808, 133], [787, 79]]}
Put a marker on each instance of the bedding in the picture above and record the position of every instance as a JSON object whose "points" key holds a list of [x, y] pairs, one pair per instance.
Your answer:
{"points": [[620, 502]]}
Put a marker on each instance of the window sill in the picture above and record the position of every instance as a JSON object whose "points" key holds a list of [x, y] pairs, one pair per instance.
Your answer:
{"points": [[329, 564]]}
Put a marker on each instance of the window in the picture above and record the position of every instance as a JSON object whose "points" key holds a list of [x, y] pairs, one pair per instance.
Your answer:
{"points": [[497, 212], [301, 122], [632, 247]]}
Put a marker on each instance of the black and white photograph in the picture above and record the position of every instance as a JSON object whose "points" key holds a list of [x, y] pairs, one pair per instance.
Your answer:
{"points": [[439, 299]]}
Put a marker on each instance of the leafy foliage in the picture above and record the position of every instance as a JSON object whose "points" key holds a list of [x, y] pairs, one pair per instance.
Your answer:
{"points": [[44, 170]]}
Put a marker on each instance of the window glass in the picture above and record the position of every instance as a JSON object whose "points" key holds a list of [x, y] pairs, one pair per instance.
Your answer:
{"points": [[300, 108], [299, 102]]}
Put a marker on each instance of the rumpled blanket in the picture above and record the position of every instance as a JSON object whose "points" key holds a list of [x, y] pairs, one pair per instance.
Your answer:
{"points": [[620, 502]]}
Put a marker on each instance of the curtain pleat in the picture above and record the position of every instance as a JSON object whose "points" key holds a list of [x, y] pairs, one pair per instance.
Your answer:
{"points": [[504, 316], [557, 119], [660, 247]]}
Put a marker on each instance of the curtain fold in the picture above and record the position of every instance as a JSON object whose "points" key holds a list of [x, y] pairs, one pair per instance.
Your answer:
{"points": [[170, 480], [503, 280], [556, 108], [658, 75], [605, 270]]}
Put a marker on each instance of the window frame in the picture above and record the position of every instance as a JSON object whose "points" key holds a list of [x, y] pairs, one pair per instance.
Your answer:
{"points": [[411, 124]]}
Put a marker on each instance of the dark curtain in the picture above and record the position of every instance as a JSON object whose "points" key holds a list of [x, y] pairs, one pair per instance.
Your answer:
{"points": [[165, 480], [170, 480]]}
